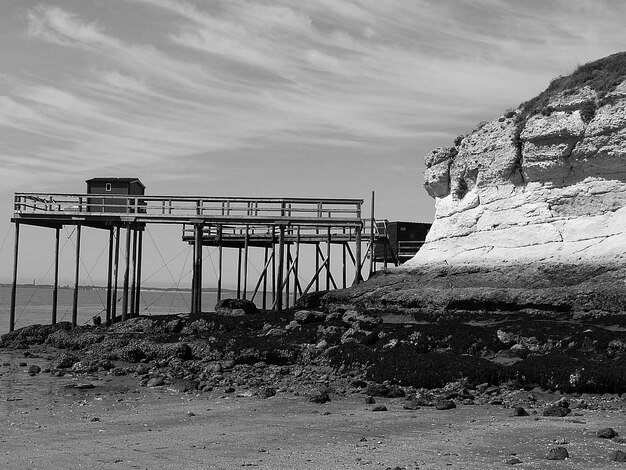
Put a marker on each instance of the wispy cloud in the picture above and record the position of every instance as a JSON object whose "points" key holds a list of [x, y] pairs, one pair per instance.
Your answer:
{"points": [[238, 74]]}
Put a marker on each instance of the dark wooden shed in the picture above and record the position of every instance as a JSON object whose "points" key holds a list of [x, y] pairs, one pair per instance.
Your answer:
{"points": [[111, 187], [398, 242]]}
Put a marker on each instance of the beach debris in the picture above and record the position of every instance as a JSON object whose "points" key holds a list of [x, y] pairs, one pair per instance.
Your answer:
{"points": [[84, 386], [557, 453], [445, 404], [320, 398], [606, 433], [558, 409], [617, 456], [266, 392], [156, 382], [66, 361]]}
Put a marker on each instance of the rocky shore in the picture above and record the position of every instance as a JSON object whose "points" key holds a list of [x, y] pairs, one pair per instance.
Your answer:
{"points": [[382, 376]]}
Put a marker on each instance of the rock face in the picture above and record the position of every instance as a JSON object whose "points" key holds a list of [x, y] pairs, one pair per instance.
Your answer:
{"points": [[530, 209], [549, 187]]}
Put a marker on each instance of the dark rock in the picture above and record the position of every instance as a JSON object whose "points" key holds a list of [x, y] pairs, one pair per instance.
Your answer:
{"points": [[118, 371], [34, 370], [236, 307], [606, 433], [513, 461], [617, 456], [557, 411], [183, 385], [422, 399], [445, 404], [229, 390], [66, 361], [359, 383], [520, 411], [84, 386], [411, 404], [379, 408], [619, 440], [308, 316], [369, 400], [156, 382], [557, 453], [94, 420], [266, 392], [142, 369], [320, 398], [377, 390], [132, 354]]}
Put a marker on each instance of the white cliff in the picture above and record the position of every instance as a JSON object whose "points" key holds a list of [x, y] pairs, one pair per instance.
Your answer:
{"points": [[545, 186]]}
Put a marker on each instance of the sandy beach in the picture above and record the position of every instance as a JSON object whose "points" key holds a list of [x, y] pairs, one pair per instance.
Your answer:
{"points": [[53, 422]]}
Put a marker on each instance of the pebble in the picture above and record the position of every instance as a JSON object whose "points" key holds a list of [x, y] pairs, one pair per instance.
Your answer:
{"points": [[520, 411], [379, 408], [513, 461], [557, 453], [617, 456], [606, 433], [320, 398], [445, 404]]}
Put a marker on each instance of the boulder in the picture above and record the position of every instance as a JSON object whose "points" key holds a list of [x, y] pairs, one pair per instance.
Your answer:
{"points": [[235, 307]]}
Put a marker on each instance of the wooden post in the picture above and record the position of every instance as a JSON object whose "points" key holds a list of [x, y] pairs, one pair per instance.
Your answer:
{"points": [[239, 273], [219, 263], [344, 277], [372, 238], [139, 260], [126, 275], [76, 276], [317, 267], [55, 287], [116, 265], [281, 263], [264, 302], [295, 269], [357, 257], [245, 261], [273, 268], [328, 260], [192, 307], [110, 277], [198, 267], [287, 279], [14, 285], [133, 277]]}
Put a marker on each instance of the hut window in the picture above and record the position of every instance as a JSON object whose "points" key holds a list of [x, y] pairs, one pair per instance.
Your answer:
{"points": [[107, 187]]}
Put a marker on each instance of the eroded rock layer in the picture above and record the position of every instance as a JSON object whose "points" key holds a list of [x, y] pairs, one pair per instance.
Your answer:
{"points": [[530, 208]]}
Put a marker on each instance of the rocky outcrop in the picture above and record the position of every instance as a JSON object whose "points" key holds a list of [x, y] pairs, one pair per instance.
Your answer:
{"points": [[547, 188], [530, 210]]}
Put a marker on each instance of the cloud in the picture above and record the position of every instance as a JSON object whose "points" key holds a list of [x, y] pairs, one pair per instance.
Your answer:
{"points": [[238, 74]]}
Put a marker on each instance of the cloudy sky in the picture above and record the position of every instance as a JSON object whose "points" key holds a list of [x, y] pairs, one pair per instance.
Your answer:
{"points": [[323, 98]]}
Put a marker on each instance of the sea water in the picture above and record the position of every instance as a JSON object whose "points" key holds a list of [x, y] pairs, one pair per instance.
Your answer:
{"points": [[34, 304]]}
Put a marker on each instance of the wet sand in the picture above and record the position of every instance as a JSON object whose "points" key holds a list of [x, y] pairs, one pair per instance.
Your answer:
{"points": [[49, 423]]}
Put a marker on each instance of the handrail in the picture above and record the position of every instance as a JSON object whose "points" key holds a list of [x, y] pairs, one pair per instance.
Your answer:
{"points": [[187, 207]]}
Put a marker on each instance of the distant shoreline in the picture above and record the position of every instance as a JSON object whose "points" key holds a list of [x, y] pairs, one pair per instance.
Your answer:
{"points": [[154, 289]]}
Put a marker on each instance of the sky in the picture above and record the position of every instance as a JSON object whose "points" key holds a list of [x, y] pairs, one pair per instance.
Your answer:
{"points": [[316, 98]]}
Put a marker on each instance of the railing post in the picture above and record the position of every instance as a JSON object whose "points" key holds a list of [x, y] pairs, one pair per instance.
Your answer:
{"points": [[76, 278], [14, 285], [55, 288]]}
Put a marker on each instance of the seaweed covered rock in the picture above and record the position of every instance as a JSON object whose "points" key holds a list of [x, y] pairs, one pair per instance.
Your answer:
{"points": [[530, 210]]}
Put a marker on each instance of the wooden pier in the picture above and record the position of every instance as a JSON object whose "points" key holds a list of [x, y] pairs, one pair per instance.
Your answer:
{"points": [[279, 226]]}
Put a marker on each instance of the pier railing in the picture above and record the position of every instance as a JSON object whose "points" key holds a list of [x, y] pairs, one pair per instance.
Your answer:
{"points": [[177, 209]]}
